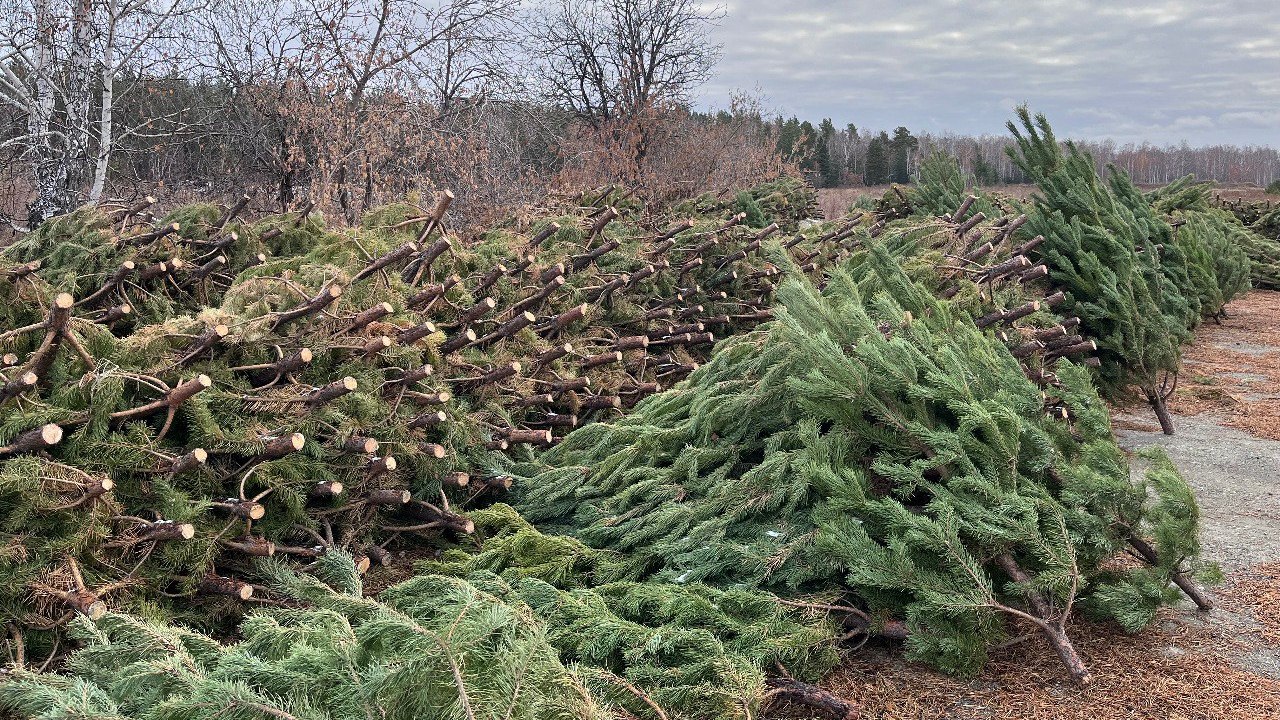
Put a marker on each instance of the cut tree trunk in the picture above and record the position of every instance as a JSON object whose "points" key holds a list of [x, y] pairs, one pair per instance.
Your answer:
{"points": [[1050, 625], [811, 697], [1180, 579], [1157, 402], [113, 314]]}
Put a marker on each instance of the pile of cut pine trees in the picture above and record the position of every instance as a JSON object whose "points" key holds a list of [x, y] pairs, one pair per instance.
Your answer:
{"points": [[200, 391], [183, 393]]}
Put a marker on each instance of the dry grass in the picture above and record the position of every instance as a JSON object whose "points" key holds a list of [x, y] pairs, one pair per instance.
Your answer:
{"points": [[1249, 193], [835, 202]]}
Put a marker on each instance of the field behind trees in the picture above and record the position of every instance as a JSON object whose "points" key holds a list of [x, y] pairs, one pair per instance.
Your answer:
{"points": [[834, 202]]}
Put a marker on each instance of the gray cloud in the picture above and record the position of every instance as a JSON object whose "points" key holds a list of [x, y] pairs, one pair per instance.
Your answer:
{"points": [[1162, 71]]}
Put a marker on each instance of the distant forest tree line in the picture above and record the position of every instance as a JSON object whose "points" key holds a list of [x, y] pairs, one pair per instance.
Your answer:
{"points": [[835, 157], [348, 104]]}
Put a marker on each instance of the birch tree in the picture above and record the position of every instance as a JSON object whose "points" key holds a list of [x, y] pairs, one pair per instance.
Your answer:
{"points": [[70, 55]]}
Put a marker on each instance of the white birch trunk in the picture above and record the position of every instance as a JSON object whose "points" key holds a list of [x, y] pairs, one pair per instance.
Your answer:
{"points": [[105, 115], [79, 95], [104, 139], [47, 169]]}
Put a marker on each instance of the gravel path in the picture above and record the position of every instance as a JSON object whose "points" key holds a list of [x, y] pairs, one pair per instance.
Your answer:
{"points": [[1226, 450], [1236, 478]]}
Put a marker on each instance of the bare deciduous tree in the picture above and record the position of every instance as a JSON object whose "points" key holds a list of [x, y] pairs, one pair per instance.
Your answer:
{"points": [[59, 65], [377, 59], [612, 59]]}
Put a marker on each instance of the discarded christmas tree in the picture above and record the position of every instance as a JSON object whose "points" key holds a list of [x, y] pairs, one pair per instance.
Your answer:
{"points": [[910, 447], [1102, 247], [874, 441], [211, 391], [480, 646]]}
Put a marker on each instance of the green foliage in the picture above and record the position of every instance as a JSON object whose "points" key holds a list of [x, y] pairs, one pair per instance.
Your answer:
{"points": [[1273, 188], [688, 645], [786, 201], [903, 145], [435, 648], [1255, 228], [941, 188], [747, 204], [476, 645], [829, 171], [877, 162], [871, 447], [1126, 276], [60, 536], [872, 439], [984, 172]]}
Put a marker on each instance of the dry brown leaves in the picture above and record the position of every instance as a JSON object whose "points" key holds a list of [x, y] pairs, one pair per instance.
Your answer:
{"points": [[1233, 369]]}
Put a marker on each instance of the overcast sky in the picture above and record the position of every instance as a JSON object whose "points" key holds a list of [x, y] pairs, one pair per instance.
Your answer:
{"points": [[1162, 70]]}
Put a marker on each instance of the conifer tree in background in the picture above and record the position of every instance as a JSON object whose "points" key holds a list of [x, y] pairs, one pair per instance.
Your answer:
{"points": [[876, 170], [788, 136], [808, 149], [903, 146], [984, 172], [829, 171], [851, 159]]}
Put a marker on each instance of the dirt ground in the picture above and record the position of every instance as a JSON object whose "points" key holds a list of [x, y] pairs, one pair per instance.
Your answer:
{"points": [[1189, 665]]}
